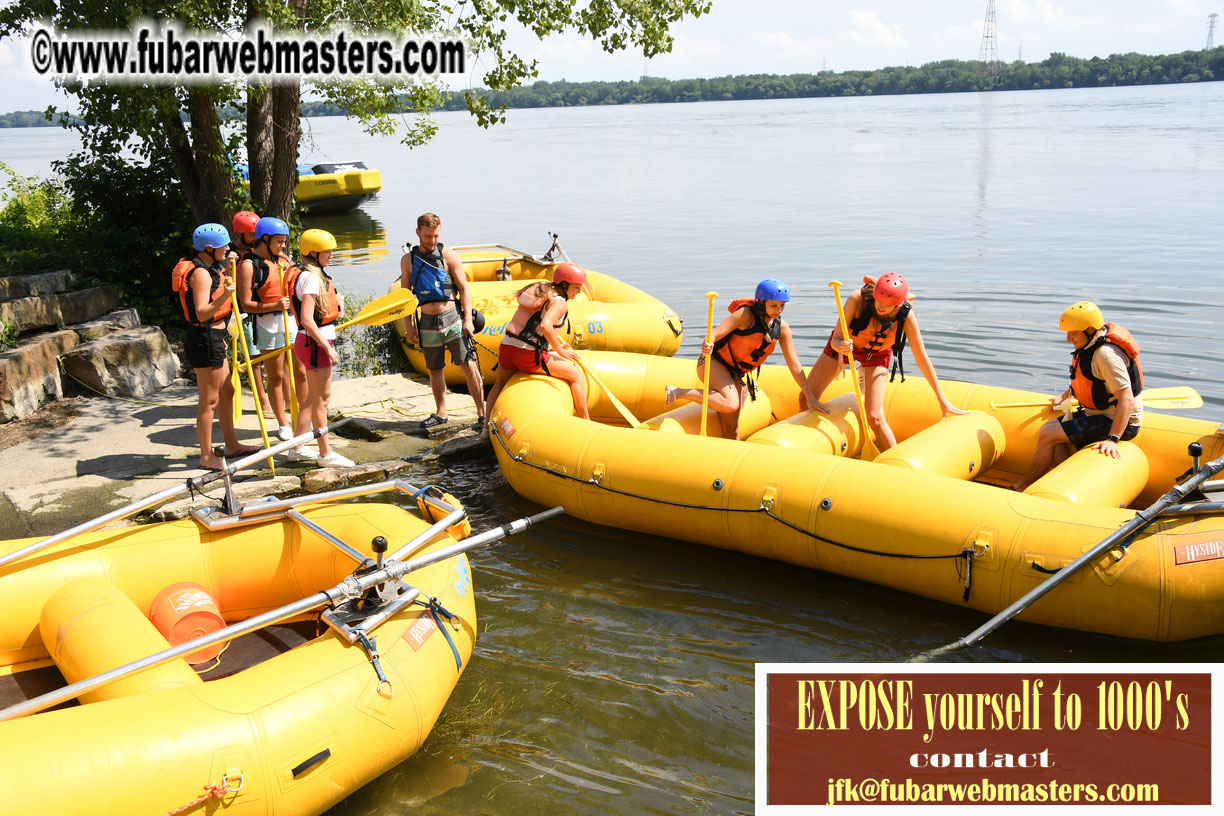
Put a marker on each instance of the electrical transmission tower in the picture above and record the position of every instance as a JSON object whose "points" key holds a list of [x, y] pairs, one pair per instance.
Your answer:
{"points": [[1211, 24], [988, 55]]}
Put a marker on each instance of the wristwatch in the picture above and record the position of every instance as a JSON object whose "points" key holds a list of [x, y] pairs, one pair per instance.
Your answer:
{"points": [[1114, 438]]}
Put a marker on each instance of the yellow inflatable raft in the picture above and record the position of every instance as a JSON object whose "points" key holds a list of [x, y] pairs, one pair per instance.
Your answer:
{"points": [[291, 720], [609, 315], [927, 516]]}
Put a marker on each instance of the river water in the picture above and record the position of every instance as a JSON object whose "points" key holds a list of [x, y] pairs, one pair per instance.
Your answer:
{"points": [[614, 671]]}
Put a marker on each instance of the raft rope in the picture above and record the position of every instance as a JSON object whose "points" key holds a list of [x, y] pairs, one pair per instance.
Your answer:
{"points": [[439, 611], [967, 553], [210, 792]]}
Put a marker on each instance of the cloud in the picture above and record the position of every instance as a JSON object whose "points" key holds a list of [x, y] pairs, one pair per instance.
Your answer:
{"points": [[871, 30], [1042, 14], [693, 49], [783, 44]]}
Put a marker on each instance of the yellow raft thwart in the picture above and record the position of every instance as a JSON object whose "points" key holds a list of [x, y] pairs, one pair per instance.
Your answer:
{"points": [[928, 516], [609, 315], [301, 722]]}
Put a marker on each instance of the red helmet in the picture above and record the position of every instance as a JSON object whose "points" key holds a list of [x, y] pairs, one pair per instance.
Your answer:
{"points": [[569, 273], [245, 221], [890, 290]]}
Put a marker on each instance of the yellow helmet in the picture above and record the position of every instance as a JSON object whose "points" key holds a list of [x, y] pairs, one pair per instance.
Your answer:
{"points": [[316, 240], [1081, 317]]}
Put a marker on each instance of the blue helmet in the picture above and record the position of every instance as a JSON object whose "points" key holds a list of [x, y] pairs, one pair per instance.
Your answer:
{"points": [[271, 226], [209, 236], [772, 289]]}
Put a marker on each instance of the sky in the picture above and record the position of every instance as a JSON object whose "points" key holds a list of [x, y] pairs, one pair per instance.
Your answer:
{"points": [[806, 36]]}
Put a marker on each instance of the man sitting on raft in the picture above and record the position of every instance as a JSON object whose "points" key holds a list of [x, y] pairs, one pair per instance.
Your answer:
{"points": [[531, 342], [741, 343], [1106, 379], [880, 319]]}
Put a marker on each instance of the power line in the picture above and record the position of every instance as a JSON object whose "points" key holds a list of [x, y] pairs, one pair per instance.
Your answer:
{"points": [[988, 54]]}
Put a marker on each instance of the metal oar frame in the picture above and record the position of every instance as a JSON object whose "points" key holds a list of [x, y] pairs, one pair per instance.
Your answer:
{"points": [[356, 606]]}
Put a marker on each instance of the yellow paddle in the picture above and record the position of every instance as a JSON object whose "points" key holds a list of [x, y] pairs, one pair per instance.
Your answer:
{"points": [[391, 306], [235, 378], [709, 338], [1174, 396], [617, 404], [246, 354], [293, 403], [870, 451]]}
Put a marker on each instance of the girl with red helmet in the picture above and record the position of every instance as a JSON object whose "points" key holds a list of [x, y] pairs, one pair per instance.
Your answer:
{"points": [[741, 343], [532, 343], [880, 321]]}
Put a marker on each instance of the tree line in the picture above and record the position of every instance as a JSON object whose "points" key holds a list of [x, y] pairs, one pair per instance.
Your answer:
{"points": [[945, 76]]}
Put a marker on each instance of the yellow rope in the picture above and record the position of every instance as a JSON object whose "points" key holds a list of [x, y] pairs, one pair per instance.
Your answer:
{"points": [[60, 360], [382, 408]]}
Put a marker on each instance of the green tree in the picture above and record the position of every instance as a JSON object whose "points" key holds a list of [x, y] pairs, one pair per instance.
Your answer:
{"points": [[185, 126]]}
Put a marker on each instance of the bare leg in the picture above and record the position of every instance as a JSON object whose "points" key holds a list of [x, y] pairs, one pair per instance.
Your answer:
{"points": [[277, 387], [208, 380], [320, 395], [873, 401], [563, 369], [437, 384], [503, 377], [1053, 447], [471, 373]]}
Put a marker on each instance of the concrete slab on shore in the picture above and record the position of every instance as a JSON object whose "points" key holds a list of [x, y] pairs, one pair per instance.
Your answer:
{"points": [[114, 452]]}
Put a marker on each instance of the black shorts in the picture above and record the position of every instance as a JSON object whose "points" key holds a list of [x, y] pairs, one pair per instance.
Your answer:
{"points": [[205, 347], [1084, 429]]}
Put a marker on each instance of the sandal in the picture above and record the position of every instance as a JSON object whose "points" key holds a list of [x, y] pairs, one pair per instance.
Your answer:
{"points": [[433, 421], [242, 450], [480, 422]]}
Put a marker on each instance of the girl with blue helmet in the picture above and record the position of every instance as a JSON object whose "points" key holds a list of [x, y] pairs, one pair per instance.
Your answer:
{"points": [[261, 294], [741, 343], [204, 293]]}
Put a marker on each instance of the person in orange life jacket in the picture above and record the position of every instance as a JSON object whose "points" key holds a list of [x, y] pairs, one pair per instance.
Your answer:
{"points": [[204, 293], [741, 343], [243, 235], [880, 320], [318, 308], [435, 276], [1106, 379], [532, 343], [261, 293]]}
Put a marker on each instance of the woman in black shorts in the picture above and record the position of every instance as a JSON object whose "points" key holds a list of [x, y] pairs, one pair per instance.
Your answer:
{"points": [[204, 293]]}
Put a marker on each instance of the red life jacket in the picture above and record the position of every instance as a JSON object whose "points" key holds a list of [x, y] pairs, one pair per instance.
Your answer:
{"points": [[329, 295], [1092, 391], [180, 282], [744, 350]]}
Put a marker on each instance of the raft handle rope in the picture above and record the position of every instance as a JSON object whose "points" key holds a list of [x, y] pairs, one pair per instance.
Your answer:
{"points": [[211, 792], [967, 553]]}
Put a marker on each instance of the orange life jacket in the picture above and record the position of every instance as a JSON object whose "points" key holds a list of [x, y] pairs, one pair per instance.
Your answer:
{"points": [[329, 295], [268, 281], [744, 350], [1092, 391], [180, 282]]}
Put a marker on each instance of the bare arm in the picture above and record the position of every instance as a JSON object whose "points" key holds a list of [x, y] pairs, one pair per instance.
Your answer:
{"points": [[928, 370], [455, 267], [199, 283], [548, 319]]}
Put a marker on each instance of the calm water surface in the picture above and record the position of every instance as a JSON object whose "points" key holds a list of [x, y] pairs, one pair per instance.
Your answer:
{"points": [[614, 671]]}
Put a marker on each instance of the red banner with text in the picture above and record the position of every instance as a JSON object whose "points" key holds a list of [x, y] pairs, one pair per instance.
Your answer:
{"points": [[981, 738]]}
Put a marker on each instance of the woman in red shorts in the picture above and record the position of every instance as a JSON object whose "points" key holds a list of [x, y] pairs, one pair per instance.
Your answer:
{"points": [[880, 319], [532, 343]]}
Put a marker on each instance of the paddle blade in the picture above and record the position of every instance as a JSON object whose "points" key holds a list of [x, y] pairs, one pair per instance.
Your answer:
{"points": [[391, 306], [1176, 396]]}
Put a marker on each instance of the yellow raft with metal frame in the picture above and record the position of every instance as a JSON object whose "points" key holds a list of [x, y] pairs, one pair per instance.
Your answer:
{"points": [[928, 516], [609, 315], [293, 720]]}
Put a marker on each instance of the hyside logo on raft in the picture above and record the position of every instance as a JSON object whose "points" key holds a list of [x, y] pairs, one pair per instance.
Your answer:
{"points": [[463, 584]]}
